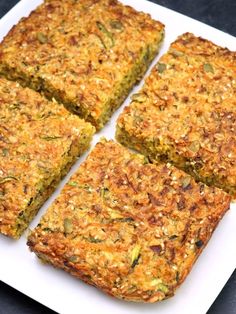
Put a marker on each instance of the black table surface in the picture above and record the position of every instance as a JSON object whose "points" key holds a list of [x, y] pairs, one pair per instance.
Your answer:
{"points": [[217, 13]]}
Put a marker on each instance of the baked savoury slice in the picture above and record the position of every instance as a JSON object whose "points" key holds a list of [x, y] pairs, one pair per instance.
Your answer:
{"points": [[128, 227]]}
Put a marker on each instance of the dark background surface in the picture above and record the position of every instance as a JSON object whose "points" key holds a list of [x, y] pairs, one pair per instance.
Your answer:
{"points": [[218, 13]]}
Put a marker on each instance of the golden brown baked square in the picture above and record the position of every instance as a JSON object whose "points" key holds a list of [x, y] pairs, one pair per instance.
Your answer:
{"points": [[186, 112], [87, 54], [39, 141], [128, 227]]}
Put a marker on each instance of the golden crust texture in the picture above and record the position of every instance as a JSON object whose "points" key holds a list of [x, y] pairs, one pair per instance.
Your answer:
{"points": [[39, 140], [128, 227], [86, 54], [186, 112]]}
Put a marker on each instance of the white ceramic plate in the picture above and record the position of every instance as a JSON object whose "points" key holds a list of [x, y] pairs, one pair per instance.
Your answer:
{"points": [[61, 292]]}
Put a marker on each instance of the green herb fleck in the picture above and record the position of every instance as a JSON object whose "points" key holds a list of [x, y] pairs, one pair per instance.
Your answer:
{"points": [[185, 182], [50, 138], [30, 201], [161, 67], [177, 276], [45, 115], [47, 229], [139, 97], [110, 40], [73, 259], [115, 24], [176, 53], [135, 255], [68, 226], [145, 160], [86, 187], [146, 57], [155, 282], [5, 152], [72, 183], [42, 38], [14, 106], [208, 68], [124, 219], [135, 262], [7, 179], [163, 288], [103, 192], [94, 240], [102, 28]]}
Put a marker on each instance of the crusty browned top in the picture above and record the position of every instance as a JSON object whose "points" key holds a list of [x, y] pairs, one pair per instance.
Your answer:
{"points": [[83, 49], [188, 104], [36, 137], [132, 228]]}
